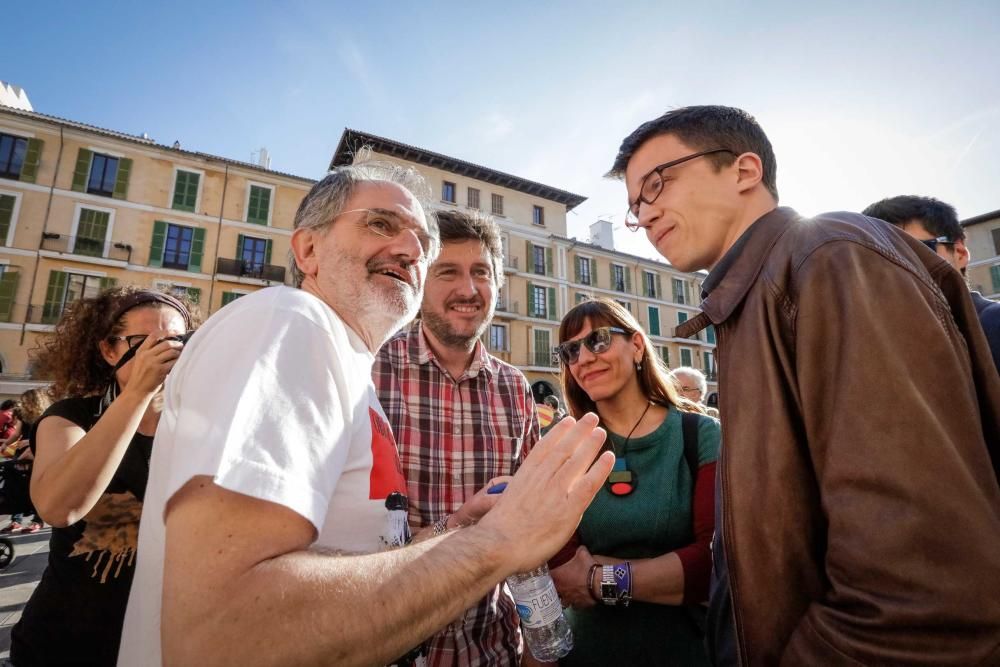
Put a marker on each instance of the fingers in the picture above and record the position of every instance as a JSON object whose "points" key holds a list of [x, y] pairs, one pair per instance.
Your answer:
{"points": [[581, 452], [586, 487]]}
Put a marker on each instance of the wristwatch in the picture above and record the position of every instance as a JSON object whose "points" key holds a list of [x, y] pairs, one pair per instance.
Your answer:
{"points": [[609, 592]]}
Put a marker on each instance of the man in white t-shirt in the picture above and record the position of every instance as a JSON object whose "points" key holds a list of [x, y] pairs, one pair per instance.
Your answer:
{"points": [[274, 468]]}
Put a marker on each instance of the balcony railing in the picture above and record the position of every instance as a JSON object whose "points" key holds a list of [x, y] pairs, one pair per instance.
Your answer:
{"points": [[86, 247], [510, 263], [545, 358], [507, 307], [44, 314], [244, 269]]}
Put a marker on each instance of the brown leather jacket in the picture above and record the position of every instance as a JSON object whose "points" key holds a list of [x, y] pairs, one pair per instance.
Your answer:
{"points": [[861, 511]]}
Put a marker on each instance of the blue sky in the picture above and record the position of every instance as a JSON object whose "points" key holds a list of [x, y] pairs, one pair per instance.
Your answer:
{"points": [[861, 100]]}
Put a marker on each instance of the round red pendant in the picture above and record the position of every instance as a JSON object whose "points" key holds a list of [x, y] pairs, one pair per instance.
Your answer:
{"points": [[621, 488]]}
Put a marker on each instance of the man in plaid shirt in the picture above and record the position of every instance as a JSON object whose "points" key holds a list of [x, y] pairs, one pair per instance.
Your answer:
{"points": [[461, 417]]}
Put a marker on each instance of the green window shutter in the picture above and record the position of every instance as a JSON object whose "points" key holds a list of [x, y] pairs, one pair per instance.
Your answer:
{"points": [[8, 290], [194, 294], [552, 303], [611, 273], [257, 207], [108, 283], [659, 287], [159, 240], [710, 334], [32, 157], [54, 295], [628, 279], [531, 300], [82, 170], [121, 181], [576, 266], [91, 231], [654, 321], [995, 277], [6, 215], [682, 317], [185, 191], [686, 358], [267, 252], [548, 261], [240, 240], [687, 293], [197, 250], [665, 355], [529, 257], [707, 360], [229, 297]]}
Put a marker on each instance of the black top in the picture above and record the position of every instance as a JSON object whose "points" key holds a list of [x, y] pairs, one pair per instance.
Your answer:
{"points": [[76, 613]]}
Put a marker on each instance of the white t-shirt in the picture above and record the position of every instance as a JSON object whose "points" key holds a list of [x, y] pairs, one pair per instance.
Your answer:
{"points": [[273, 398]]}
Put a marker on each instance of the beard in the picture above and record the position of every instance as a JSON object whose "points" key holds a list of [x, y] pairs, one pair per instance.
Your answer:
{"points": [[448, 335]]}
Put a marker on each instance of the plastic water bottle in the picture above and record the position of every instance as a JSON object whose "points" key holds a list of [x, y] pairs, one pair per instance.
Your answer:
{"points": [[546, 630]]}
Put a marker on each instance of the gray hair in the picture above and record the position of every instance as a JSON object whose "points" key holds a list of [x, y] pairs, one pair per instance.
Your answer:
{"points": [[694, 374], [327, 199]]}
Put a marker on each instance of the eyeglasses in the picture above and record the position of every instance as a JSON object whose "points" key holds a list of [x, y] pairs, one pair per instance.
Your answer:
{"points": [[389, 224], [135, 340], [652, 185], [597, 341], [934, 243]]}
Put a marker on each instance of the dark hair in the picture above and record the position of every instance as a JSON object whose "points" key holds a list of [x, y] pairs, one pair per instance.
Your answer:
{"points": [[474, 226], [705, 128], [653, 379], [71, 356], [8, 404], [935, 216]]}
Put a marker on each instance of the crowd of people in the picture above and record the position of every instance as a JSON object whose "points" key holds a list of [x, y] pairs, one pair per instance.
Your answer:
{"points": [[324, 491]]}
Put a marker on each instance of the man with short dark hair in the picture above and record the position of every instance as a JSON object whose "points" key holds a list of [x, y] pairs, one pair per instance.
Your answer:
{"points": [[461, 417], [860, 507], [935, 224]]}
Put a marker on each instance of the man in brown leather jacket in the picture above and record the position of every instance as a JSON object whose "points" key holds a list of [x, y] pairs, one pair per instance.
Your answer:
{"points": [[860, 506]]}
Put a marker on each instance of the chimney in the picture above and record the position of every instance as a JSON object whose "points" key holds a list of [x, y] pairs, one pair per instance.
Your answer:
{"points": [[602, 234]]}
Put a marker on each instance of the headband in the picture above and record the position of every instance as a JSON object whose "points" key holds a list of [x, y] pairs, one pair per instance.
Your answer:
{"points": [[149, 296]]}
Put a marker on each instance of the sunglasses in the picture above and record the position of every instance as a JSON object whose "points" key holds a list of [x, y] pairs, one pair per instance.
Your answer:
{"points": [[934, 243], [136, 340], [597, 341]]}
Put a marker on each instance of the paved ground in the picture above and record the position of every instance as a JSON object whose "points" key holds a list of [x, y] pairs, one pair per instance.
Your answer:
{"points": [[19, 580]]}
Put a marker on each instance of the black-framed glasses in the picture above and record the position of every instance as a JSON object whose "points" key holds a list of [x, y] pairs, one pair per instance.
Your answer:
{"points": [[390, 224], [934, 243], [597, 341], [651, 185], [135, 340]]}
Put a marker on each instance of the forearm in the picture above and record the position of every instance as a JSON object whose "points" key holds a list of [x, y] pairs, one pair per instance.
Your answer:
{"points": [[70, 485], [657, 580], [345, 610]]}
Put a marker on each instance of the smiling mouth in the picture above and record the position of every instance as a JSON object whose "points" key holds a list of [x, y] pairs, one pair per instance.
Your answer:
{"points": [[394, 272], [466, 308], [662, 234]]}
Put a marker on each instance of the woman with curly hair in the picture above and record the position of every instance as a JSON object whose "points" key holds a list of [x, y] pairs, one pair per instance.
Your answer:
{"points": [[637, 582], [108, 358], [26, 412]]}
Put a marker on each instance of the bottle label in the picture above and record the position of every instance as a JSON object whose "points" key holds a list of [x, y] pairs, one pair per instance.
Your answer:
{"points": [[537, 602]]}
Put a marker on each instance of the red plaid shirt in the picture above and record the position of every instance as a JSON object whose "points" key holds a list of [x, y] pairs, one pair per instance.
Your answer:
{"points": [[454, 435]]}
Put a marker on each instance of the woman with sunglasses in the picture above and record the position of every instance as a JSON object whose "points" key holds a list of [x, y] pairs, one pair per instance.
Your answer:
{"points": [[108, 358], [637, 582]]}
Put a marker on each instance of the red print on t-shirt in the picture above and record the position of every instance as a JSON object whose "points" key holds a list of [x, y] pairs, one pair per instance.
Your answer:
{"points": [[387, 473]]}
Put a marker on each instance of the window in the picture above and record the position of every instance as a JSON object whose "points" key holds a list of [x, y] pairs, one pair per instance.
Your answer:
{"points": [[686, 356], [665, 355], [186, 190], [7, 205], [583, 270], [543, 351], [12, 153], [103, 174], [254, 253], [618, 277], [65, 288], [229, 297], [654, 321], [651, 284], [538, 215], [8, 291], [538, 253], [100, 174], [498, 337], [996, 240], [448, 192], [473, 198], [259, 205], [710, 334], [91, 232], [682, 318], [180, 291], [177, 247], [539, 303], [625, 304], [680, 288], [497, 204], [709, 369], [995, 277]]}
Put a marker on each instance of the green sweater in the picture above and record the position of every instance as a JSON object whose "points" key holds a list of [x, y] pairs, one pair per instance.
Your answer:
{"points": [[651, 521]]}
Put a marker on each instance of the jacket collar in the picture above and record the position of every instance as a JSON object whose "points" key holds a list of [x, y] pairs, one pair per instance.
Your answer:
{"points": [[728, 283], [420, 353]]}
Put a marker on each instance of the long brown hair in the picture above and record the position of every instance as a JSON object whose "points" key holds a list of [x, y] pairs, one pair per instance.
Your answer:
{"points": [[653, 378], [31, 404], [71, 356]]}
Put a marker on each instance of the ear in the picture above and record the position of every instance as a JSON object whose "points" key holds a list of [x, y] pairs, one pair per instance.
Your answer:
{"points": [[962, 254], [108, 352], [749, 171], [303, 243], [639, 347]]}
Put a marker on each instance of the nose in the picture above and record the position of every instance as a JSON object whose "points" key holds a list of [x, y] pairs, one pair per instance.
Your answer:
{"points": [[586, 356], [406, 245], [648, 215]]}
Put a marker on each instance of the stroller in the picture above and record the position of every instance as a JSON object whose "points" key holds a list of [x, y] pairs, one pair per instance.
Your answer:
{"points": [[14, 482]]}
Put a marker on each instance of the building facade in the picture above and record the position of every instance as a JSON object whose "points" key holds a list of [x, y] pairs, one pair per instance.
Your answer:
{"points": [[548, 273], [982, 237], [83, 208]]}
